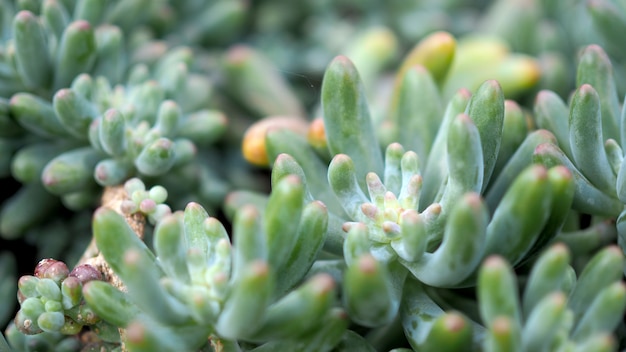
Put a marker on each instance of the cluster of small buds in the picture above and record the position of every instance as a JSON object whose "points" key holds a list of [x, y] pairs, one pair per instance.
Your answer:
{"points": [[399, 194], [52, 299], [149, 202], [390, 213]]}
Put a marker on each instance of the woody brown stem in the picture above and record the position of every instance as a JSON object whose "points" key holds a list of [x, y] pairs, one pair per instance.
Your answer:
{"points": [[113, 197]]}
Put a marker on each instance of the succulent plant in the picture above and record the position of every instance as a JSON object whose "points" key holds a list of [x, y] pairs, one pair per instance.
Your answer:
{"points": [[51, 300], [195, 285], [396, 221], [65, 66], [105, 120], [559, 309], [358, 164], [415, 176], [105, 136]]}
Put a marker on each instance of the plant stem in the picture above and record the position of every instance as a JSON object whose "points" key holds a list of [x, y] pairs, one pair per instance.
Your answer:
{"points": [[112, 197]]}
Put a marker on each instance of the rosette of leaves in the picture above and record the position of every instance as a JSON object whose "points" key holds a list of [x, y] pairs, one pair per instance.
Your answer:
{"points": [[51, 301], [196, 289], [478, 193], [95, 134], [558, 309], [44, 49]]}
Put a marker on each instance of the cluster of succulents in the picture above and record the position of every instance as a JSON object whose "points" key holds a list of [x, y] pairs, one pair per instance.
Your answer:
{"points": [[220, 176], [91, 97], [556, 312]]}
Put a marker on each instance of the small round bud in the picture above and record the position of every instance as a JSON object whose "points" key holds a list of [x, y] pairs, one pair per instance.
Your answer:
{"points": [[27, 287], [138, 196], [158, 194], [147, 206], [51, 269], [134, 184], [85, 273]]}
